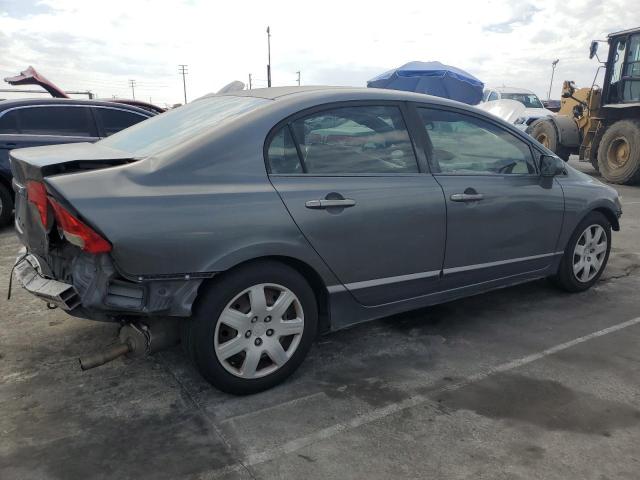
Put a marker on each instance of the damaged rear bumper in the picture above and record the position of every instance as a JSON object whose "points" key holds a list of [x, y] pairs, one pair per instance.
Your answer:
{"points": [[60, 294], [92, 288]]}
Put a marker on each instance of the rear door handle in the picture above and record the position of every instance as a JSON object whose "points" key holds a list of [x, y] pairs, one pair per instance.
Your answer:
{"points": [[328, 203], [466, 197]]}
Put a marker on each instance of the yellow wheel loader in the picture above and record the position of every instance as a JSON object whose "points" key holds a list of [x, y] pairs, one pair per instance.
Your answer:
{"points": [[601, 125]]}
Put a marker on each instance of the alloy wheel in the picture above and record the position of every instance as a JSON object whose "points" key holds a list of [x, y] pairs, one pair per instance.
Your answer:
{"points": [[259, 330], [589, 253]]}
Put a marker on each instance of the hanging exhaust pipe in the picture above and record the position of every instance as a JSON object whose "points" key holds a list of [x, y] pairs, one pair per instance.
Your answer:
{"points": [[136, 340]]}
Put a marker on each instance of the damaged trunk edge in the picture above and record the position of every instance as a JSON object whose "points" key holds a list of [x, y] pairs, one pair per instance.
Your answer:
{"points": [[85, 285]]}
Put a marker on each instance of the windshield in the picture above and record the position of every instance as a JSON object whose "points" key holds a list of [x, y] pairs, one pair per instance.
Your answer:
{"points": [[175, 126], [529, 100]]}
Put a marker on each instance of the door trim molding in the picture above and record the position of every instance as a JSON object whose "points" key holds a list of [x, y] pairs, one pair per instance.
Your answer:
{"points": [[434, 273], [376, 282], [498, 263]]}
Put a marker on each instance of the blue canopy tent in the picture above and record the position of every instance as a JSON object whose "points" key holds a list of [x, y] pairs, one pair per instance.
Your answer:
{"points": [[433, 78]]}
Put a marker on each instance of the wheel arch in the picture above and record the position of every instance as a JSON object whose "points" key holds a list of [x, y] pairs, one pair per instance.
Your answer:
{"points": [[310, 274], [610, 214], [601, 207]]}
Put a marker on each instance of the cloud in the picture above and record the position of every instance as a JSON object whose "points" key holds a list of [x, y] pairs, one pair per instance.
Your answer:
{"points": [[87, 44], [522, 14], [545, 36], [24, 8]]}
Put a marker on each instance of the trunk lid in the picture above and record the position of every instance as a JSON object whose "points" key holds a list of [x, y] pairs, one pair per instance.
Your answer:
{"points": [[38, 163]]}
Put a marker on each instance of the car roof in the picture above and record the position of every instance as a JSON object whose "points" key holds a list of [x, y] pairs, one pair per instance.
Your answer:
{"points": [[24, 102], [326, 94], [512, 90]]}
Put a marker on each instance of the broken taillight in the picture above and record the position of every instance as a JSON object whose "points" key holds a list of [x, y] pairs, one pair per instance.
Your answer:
{"points": [[77, 232], [37, 194]]}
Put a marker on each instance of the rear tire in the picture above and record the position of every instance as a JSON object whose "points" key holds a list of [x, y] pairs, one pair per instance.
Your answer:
{"points": [[252, 327], [619, 153], [577, 271], [6, 205], [545, 133]]}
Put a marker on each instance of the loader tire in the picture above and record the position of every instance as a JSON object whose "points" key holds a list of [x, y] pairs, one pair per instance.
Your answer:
{"points": [[619, 153], [544, 131]]}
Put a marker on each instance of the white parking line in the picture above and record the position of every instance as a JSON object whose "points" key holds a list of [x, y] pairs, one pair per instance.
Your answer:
{"points": [[379, 413], [264, 411]]}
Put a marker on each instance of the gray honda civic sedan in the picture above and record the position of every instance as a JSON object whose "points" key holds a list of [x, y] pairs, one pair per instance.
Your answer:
{"points": [[257, 219]]}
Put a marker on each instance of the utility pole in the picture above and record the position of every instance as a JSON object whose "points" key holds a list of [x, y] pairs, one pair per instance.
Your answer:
{"points": [[298, 72], [553, 69], [249, 81], [182, 69], [132, 84], [269, 57]]}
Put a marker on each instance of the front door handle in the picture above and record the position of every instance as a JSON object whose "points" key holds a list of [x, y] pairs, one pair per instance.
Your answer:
{"points": [[329, 203], [466, 197]]}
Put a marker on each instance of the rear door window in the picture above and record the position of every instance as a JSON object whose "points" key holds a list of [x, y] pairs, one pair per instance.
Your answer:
{"points": [[282, 154], [113, 120], [57, 120], [358, 139]]}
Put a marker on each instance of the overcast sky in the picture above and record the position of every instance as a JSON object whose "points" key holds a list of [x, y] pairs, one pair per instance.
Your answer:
{"points": [[99, 46]]}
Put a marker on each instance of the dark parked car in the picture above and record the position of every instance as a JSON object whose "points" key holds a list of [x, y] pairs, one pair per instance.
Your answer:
{"points": [[261, 217], [47, 121]]}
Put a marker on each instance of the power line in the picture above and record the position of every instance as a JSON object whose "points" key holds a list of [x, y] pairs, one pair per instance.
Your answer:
{"points": [[182, 69]]}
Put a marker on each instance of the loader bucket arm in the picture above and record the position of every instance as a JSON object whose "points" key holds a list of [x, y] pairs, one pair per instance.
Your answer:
{"points": [[31, 77]]}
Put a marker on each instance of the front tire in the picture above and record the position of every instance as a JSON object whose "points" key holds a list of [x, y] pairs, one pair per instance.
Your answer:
{"points": [[586, 254], [252, 327], [619, 153]]}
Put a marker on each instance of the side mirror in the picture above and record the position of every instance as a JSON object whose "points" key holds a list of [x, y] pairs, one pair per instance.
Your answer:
{"points": [[551, 166], [593, 49]]}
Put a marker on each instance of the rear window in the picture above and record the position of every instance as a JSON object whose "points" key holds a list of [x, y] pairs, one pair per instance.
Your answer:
{"points": [[174, 127]]}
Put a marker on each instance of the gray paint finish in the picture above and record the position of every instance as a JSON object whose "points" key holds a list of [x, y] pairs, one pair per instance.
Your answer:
{"points": [[208, 204], [519, 217], [395, 229]]}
